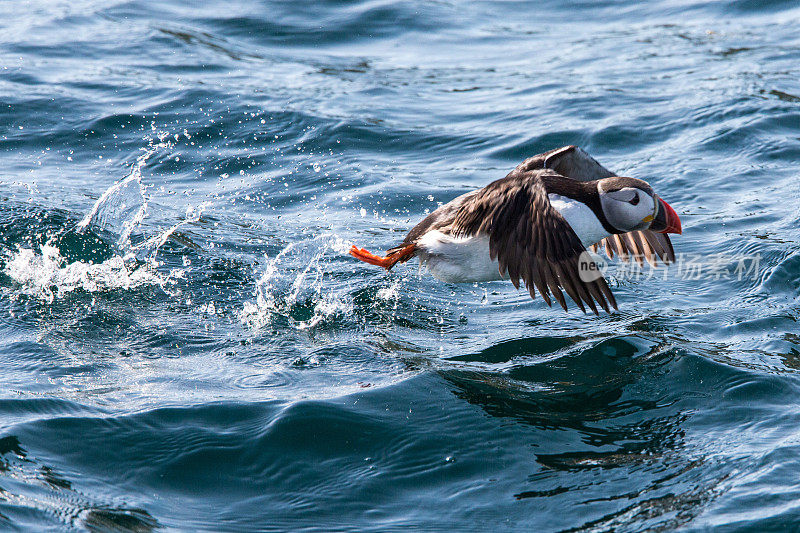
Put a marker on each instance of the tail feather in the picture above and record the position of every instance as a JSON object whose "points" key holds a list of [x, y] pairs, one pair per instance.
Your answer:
{"points": [[387, 261]]}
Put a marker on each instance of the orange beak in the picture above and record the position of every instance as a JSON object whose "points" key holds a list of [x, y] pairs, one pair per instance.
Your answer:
{"points": [[666, 219]]}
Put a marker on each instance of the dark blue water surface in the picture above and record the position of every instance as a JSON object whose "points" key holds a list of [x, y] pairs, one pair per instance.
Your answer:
{"points": [[193, 349]]}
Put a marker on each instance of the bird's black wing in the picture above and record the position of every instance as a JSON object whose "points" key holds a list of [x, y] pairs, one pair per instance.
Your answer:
{"points": [[531, 240], [573, 162]]}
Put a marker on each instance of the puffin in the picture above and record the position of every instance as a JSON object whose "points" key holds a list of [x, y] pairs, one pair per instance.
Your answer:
{"points": [[537, 225]]}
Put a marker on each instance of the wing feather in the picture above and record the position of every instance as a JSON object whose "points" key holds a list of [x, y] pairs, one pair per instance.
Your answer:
{"points": [[573, 162], [531, 241]]}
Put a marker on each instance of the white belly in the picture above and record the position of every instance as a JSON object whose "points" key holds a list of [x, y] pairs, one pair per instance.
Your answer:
{"points": [[457, 260]]}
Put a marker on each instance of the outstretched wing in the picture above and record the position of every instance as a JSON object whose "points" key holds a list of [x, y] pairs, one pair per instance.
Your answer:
{"points": [[531, 240], [573, 162]]}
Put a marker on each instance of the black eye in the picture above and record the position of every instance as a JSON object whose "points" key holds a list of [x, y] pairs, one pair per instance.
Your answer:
{"points": [[635, 199]]}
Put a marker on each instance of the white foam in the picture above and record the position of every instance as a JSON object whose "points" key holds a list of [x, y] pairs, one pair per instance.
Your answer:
{"points": [[389, 293], [46, 274]]}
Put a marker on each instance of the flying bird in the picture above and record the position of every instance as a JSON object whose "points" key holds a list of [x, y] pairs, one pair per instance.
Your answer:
{"points": [[536, 225]]}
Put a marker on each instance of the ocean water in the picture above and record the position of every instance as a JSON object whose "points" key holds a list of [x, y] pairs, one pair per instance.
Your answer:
{"points": [[186, 345]]}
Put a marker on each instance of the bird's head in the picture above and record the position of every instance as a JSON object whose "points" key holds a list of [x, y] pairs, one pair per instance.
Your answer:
{"points": [[629, 204]]}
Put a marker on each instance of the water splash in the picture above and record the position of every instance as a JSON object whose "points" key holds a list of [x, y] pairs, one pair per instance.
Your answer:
{"points": [[123, 206], [390, 293], [47, 276], [293, 284], [148, 249], [120, 210]]}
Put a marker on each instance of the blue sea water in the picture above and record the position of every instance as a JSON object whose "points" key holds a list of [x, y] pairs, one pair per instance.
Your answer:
{"points": [[185, 344]]}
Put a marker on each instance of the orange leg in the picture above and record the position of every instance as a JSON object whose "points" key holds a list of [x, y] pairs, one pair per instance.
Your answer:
{"points": [[386, 262]]}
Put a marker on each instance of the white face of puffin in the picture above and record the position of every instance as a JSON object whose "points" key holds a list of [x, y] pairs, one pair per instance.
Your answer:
{"points": [[629, 208]]}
